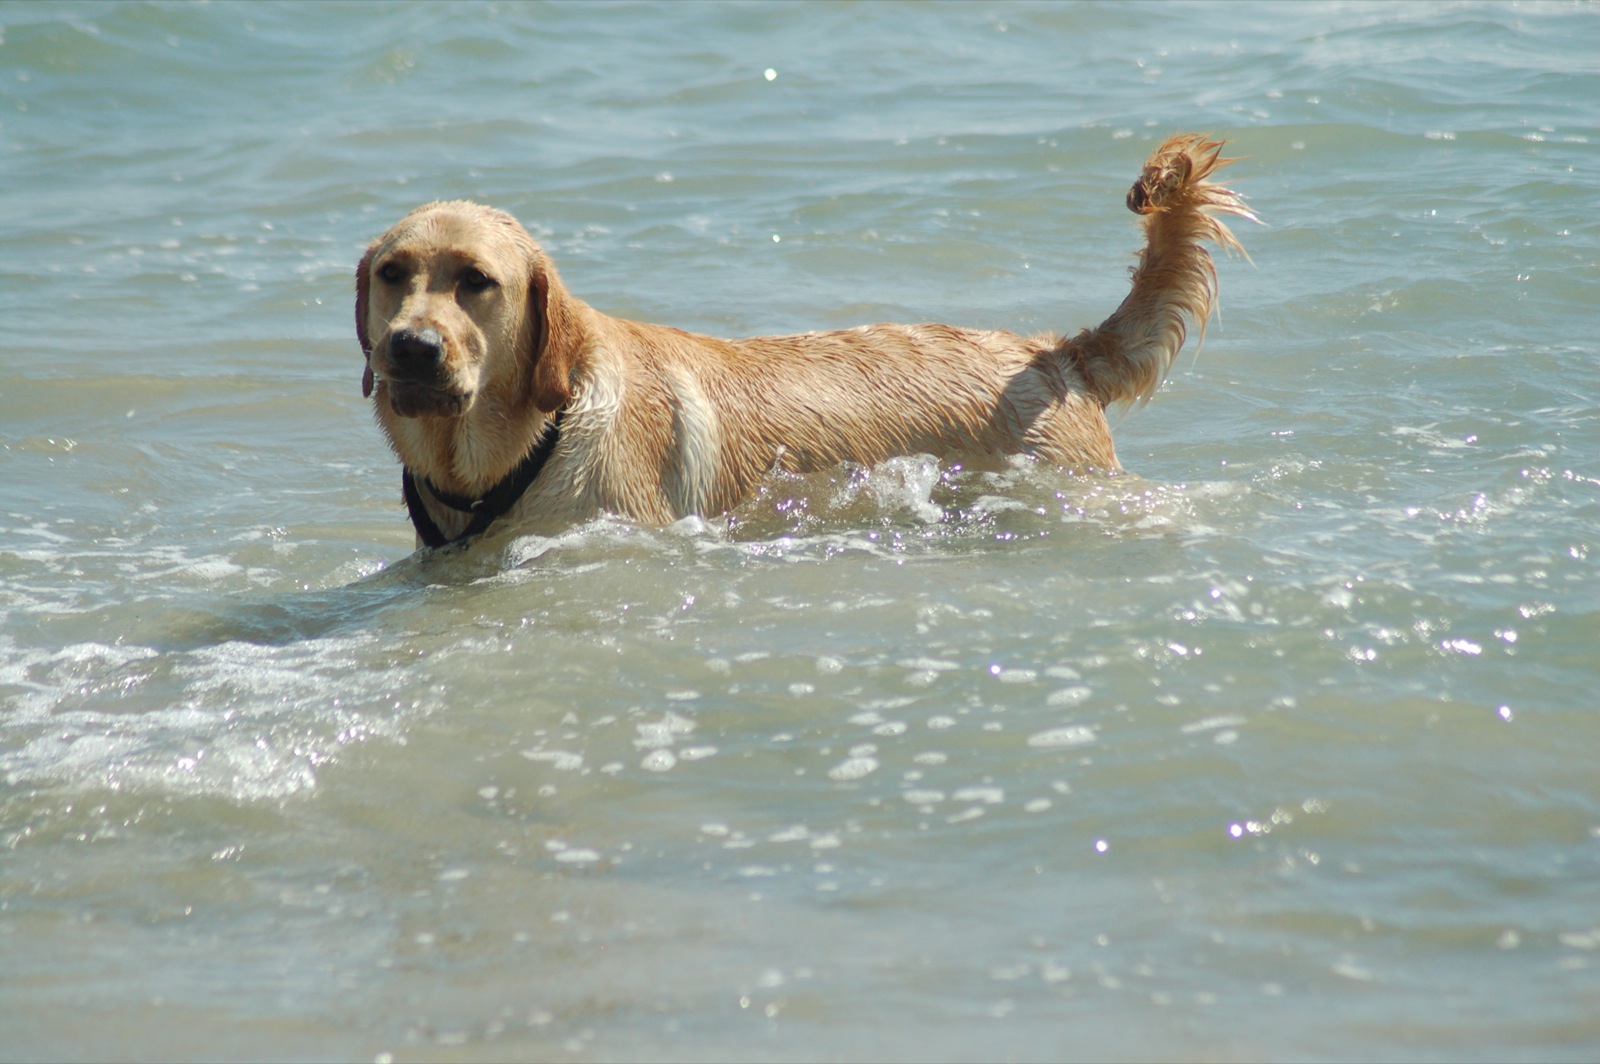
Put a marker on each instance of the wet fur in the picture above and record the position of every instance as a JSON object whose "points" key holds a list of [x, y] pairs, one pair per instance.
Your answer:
{"points": [[662, 423]]}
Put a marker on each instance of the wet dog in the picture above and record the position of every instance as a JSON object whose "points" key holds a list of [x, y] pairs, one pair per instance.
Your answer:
{"points": [[509, 399]]}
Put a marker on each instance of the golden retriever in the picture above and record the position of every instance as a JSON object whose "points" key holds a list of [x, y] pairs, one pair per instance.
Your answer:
{"points": [[507, 398]]}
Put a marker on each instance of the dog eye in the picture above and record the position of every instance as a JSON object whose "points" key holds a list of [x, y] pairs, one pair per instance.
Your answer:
{"points": [[390, 273], [475, 280]]}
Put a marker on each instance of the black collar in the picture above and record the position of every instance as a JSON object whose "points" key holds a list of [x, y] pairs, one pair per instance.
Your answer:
{"points": [[486, 509]]}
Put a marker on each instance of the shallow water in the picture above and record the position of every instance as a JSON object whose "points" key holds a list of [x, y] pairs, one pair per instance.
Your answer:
{"points": [[1283, 747]]}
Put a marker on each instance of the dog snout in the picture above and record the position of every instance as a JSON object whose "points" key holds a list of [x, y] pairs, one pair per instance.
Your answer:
{"points": [[416, 352]]}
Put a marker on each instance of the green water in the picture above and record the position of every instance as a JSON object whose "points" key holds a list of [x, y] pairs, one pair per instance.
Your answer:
{"points": [[1283, 749]]}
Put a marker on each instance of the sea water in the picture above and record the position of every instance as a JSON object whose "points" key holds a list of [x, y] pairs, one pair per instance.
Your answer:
{"points": [[1283, 746]]}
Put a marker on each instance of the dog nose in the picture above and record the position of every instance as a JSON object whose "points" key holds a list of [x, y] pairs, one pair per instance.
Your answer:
{"points": [[416, 350]]}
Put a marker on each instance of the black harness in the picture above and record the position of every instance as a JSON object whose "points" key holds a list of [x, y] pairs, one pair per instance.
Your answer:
{"points": [[486, 509]]}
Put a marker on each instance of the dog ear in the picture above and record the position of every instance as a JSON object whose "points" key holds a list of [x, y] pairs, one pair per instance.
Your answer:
{"points": [[553, 339], [363, 283]]}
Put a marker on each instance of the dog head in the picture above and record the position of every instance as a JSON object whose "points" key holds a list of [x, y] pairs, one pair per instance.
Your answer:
{"points": [[457, 300]]}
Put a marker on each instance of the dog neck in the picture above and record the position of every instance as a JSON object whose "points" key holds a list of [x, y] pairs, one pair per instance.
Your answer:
{"points": [[486, 508]]}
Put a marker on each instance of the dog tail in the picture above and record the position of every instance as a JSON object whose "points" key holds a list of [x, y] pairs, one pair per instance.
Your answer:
{"points": [[1127, 356]]}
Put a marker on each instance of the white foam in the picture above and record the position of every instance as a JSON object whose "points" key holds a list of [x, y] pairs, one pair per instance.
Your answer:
{"points": [[234, 720], [853, 768], [1070, 735]]}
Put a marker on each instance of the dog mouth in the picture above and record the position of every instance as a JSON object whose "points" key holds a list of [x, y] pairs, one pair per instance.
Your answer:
{"points": [[418, 399]]}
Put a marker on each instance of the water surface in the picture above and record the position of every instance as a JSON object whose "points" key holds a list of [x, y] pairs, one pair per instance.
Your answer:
{"points": [[1282, 747]]}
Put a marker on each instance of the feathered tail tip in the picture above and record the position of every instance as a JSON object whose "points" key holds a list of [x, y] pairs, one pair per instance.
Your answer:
{"points": [[1177, 174]]}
